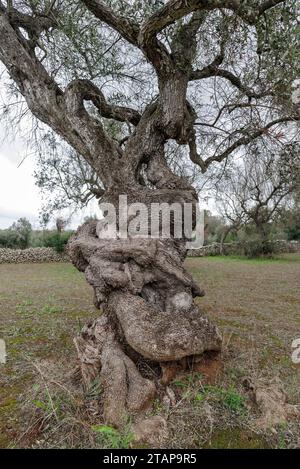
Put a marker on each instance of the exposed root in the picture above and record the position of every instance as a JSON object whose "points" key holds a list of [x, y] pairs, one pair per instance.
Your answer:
{"points": [[125, 391], [271, 400]]}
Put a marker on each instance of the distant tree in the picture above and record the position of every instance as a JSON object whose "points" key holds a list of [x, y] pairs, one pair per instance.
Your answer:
{"points": [[214, 227], [289, 219], [22, 229], [57, 240], [254, 191], [60, 224], [8, 239]]}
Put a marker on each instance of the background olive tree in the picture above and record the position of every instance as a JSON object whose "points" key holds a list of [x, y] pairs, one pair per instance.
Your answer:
{"points": [[253, 194]]}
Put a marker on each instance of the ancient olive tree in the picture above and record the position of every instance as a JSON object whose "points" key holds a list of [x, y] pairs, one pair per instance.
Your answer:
{"points": [[254, 191], [120, 81]]}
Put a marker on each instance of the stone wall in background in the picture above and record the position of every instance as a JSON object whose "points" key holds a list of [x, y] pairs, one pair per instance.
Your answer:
{"points": [[236, 249], [37, 255], [31, 255]]}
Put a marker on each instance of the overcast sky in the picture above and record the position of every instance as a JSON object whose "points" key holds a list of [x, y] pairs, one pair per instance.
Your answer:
{"points": [[19, 197]]}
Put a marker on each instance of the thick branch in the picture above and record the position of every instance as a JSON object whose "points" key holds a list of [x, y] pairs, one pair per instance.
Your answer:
{"points": [[86, 90], [126, 28], [212, 70], [267, 5], [176, 9], [34, 25], [65, 114], [155, 51], [184, 41]]}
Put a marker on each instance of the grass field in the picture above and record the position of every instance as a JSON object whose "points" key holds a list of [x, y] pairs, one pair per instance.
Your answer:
{"points": [[255, 304]]}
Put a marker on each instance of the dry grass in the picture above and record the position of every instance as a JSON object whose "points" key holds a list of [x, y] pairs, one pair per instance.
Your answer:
{"points": [[255, 303]]}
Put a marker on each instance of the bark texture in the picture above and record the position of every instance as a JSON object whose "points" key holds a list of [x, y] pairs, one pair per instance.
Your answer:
{"points": [[149, 318]]}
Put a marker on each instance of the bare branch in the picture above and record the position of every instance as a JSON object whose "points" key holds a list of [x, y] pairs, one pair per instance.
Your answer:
{"points": [[245, 140], [212, 70]]}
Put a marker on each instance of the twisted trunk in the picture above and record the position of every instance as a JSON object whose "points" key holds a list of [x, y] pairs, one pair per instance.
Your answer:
{"points": [[149, 319], [150, 325]]}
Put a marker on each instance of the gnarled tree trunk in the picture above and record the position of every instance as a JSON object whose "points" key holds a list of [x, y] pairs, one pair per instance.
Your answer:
{"points": [[149, 317]]}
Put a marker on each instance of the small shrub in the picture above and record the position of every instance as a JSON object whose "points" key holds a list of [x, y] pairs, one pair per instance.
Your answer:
{"points": [[229, 398], [258, 248], [112, 438], [233, 400], [57, 241]]}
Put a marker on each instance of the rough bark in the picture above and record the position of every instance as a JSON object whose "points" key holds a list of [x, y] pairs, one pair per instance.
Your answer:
{"points": [[149, 318]]}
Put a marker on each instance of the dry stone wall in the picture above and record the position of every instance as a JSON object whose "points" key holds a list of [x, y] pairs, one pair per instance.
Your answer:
{"points": [[231, 249], [38, 255], [31, 255]]}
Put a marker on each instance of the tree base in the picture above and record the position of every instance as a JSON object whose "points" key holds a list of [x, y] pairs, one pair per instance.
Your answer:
{"points": [[150, 326]]}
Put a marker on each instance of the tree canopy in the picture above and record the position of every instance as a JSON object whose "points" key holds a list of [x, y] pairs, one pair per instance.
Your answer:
{"points": [[101, 68]]}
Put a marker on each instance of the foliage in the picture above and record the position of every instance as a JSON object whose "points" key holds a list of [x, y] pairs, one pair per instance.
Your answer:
{"points": [[63, 177], [262, 58], [21, 236], [289, 222], [17, 236], [257, 248], [8, 239], [293, 232], [254, 244], [214, 227], [228, 397], [57, 240], [23, 230], [113, 438]]}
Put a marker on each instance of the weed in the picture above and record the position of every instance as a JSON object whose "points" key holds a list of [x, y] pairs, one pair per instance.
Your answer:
{"points": [[234, 401], [24, 307], [51, 406], [95, 390], [188, 380], [281, 436], [48, 309], [112, 438], [229, 398]]}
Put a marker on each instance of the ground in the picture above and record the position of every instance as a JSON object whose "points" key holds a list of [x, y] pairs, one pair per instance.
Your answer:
{"points": [[42, 306]]}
